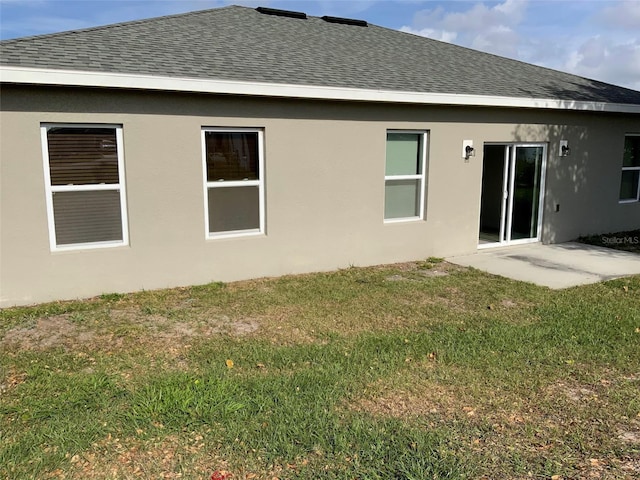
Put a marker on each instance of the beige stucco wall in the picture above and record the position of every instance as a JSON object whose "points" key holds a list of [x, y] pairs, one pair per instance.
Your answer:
{"points": [[324, 187]]}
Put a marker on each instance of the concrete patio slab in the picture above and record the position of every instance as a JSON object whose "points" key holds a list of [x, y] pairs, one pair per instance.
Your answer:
{"points": [[561, 265]]}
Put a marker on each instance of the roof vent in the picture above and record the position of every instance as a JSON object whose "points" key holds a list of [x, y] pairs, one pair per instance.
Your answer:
{"points": [[345, 21], [282, 13]]}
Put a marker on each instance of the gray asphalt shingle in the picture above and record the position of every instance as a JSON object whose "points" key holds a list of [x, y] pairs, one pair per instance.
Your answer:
{"points": [[239, 43]]}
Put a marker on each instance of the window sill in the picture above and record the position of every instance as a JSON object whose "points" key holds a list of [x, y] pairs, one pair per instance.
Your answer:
{"points": [[403, 220], [235, 234], [87, 246], [631, 200]]}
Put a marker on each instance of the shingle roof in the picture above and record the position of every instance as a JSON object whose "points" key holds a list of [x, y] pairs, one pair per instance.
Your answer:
{"points": [[240, 43]]}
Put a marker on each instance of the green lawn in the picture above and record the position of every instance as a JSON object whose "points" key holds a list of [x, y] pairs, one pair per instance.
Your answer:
{"points": [[414, 371]]}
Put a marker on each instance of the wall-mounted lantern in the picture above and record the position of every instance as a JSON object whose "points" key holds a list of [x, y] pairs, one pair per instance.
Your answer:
{"points": [[467, 149], [564, 150]]}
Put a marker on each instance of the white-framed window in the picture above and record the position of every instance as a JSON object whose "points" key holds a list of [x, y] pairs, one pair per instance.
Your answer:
{"points": [[630, 179], [84, 182], [233, 167], [404, 178]]}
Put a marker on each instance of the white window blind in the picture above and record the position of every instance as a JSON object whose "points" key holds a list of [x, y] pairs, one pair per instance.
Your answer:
{"points": [[85, 185]]}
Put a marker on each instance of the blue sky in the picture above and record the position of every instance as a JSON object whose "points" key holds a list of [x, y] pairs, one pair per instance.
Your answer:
{"points": [[598, 39]]}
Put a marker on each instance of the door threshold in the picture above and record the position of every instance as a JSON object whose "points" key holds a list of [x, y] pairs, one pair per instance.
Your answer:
{"points": [[482, 246]]}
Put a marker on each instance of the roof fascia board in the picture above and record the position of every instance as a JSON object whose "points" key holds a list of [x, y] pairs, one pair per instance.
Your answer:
{"points": [[41, 76]]}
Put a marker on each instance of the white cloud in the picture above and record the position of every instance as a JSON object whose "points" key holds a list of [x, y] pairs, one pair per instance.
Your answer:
{"points": [[624, 14], [613, 54], [442, 35], [591, 53], [501, 40], [480, 17], [512, 8], [610, 62], [491, 29], [526, 31]]}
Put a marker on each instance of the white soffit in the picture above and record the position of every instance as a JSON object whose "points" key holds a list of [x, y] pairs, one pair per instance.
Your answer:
{"points": [[41, 76]]}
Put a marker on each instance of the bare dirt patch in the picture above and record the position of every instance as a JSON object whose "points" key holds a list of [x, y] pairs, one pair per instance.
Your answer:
{"points": [[214, 325], [421, 400], [61, 331], [630, 436], [438, 404], [47, 332], [12, 380], [174, 456], [632, 467], [420, 271], [508, 303], [133, 457], [575, 393]]}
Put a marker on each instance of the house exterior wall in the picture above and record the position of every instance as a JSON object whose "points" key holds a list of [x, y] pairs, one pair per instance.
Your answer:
{"points": [[324, 186]]}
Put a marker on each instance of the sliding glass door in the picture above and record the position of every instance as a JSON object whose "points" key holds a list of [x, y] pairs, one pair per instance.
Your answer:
{"points": [[512, 193]]}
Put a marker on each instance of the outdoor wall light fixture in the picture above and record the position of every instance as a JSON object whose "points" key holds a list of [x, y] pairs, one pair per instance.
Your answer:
{"points": [[564, 150], [467, 149]]}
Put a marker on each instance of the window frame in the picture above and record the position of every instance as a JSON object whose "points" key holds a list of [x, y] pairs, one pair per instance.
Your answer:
{"points": [[50, 189], [422, 177], [629, 169], [234, 183]]}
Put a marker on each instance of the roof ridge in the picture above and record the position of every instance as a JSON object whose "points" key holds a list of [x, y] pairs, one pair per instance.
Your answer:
{"points": [[116, 25]]}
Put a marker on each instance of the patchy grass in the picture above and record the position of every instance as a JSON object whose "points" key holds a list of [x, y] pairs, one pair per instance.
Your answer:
{"points": [[419, 370], [627, 241]]}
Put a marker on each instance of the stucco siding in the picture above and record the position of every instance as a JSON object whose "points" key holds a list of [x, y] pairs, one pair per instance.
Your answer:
{"points": [[324, 187]]}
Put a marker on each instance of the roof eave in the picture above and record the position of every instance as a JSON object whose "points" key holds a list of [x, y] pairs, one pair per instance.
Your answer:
{"points": [[40, 76]]}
